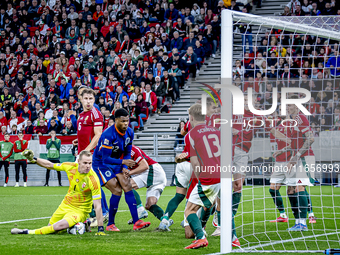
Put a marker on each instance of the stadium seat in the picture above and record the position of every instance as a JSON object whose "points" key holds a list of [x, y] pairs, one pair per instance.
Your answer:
{"points": [[153, 24], [147, 115]]}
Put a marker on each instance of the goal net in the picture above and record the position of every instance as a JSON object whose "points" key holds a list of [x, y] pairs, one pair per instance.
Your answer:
{"points": [[284, 52]]}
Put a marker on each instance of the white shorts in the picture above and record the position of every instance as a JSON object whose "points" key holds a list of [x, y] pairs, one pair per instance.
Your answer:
{"points": [[240, 161], [299, 174], [154, 179], [183, 174], [204, 195], [279, 173]]}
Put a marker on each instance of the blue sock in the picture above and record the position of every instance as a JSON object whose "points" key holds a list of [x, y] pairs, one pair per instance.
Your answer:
{"points": [[105, 208], [131, 201], [114, 202]]}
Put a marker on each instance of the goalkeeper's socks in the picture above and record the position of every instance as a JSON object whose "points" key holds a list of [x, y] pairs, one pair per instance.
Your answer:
{"points": [[303, 221], [218, 217], [311, 214], [157, 211], [137, 197], [233, 228], [236, 201], [195, 226], [114, 202], [278, 201], [42, 231], [172, 205], [131, 201]]}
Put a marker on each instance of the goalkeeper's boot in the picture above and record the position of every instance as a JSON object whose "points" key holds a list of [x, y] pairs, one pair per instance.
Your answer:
{"points": [[112, 227], [235, 242], [164, 225], [141, 215], [312, 219], [198, 244], [94, 223], [298, 227], [140, 225], [280, 219], [215, 220], [106, 218], [183, 224], [16, 231], [217, 232]]}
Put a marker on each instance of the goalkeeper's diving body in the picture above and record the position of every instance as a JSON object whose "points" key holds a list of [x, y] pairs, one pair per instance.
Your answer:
{"points": [[84, 191]]}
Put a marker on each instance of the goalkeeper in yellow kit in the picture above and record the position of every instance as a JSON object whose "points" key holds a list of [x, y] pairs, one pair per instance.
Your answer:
{"points": [[84, 191]]}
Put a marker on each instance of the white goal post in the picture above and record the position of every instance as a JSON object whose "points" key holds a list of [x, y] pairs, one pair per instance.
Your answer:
{"points": [[327, 27]]}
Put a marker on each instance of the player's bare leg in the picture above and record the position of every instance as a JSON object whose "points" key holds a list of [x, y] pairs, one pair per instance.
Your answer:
{"points": [[195, 225], [277, 198], [124, 181], [116, 190], [60, 225]]}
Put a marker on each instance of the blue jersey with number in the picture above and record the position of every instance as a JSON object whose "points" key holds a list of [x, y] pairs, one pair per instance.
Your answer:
{"points": [[115, 145]]}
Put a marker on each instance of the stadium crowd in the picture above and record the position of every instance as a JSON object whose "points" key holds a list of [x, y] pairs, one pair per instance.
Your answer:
{"points": [[134, 55], [279, 59]]}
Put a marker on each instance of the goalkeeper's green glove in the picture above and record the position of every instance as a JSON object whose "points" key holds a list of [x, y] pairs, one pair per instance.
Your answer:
{"points": [[29, 154], [100, 231]]}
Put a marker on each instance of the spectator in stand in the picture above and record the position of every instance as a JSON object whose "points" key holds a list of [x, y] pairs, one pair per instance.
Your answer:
{"points": [[41, 129], [69, 129], [29, 129], [160, 91], [190, 61], [17, 121], [150, 98], [171, 13], [179, 137]]}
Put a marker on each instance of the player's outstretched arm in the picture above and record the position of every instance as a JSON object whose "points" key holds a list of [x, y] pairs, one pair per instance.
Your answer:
{"points": [[99, 214], [45, 163]]}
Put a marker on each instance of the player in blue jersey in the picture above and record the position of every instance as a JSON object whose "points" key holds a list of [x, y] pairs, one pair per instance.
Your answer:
{"points": [[111, 160]]}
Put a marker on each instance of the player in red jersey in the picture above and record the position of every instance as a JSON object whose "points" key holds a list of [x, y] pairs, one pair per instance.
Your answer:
{"points": [[300, 163], [89, 130], [278, 176], [244, 129], [147, 173], [205, 150]]}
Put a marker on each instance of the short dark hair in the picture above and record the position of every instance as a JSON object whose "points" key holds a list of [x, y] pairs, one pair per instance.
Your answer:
{"points": [[121, 113]]}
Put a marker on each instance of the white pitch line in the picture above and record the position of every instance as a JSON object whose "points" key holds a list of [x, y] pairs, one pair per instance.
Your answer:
{"points": [[42, 218]]}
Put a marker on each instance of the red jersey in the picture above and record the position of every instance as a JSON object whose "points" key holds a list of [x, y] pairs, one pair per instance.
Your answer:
{"points": [[277, 144], [205, 144], [86, 123], [187, 126], [296, 134], [247, 126], [210, 120], [138, 155], [186, 148]]}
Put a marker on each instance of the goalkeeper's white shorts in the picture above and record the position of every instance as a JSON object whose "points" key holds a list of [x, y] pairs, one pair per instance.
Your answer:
{"points": [[154, 179], [183, 174]]}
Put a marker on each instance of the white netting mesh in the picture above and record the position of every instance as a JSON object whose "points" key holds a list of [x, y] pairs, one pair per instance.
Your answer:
{"points": [[290, 52]]}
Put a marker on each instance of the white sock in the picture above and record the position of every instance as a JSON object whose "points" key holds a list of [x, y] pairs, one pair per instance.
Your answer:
{"points": [[297, 221], [303, 221], [311, 214], [283, 215], [140, 209], [17, 183], [25, 183]]}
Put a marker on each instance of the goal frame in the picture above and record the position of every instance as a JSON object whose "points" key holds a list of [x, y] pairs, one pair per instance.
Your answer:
{"points": [[227, 45]]}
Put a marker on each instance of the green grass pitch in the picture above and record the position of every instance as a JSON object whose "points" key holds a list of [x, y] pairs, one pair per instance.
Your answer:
{"points": [[36, 202]]}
